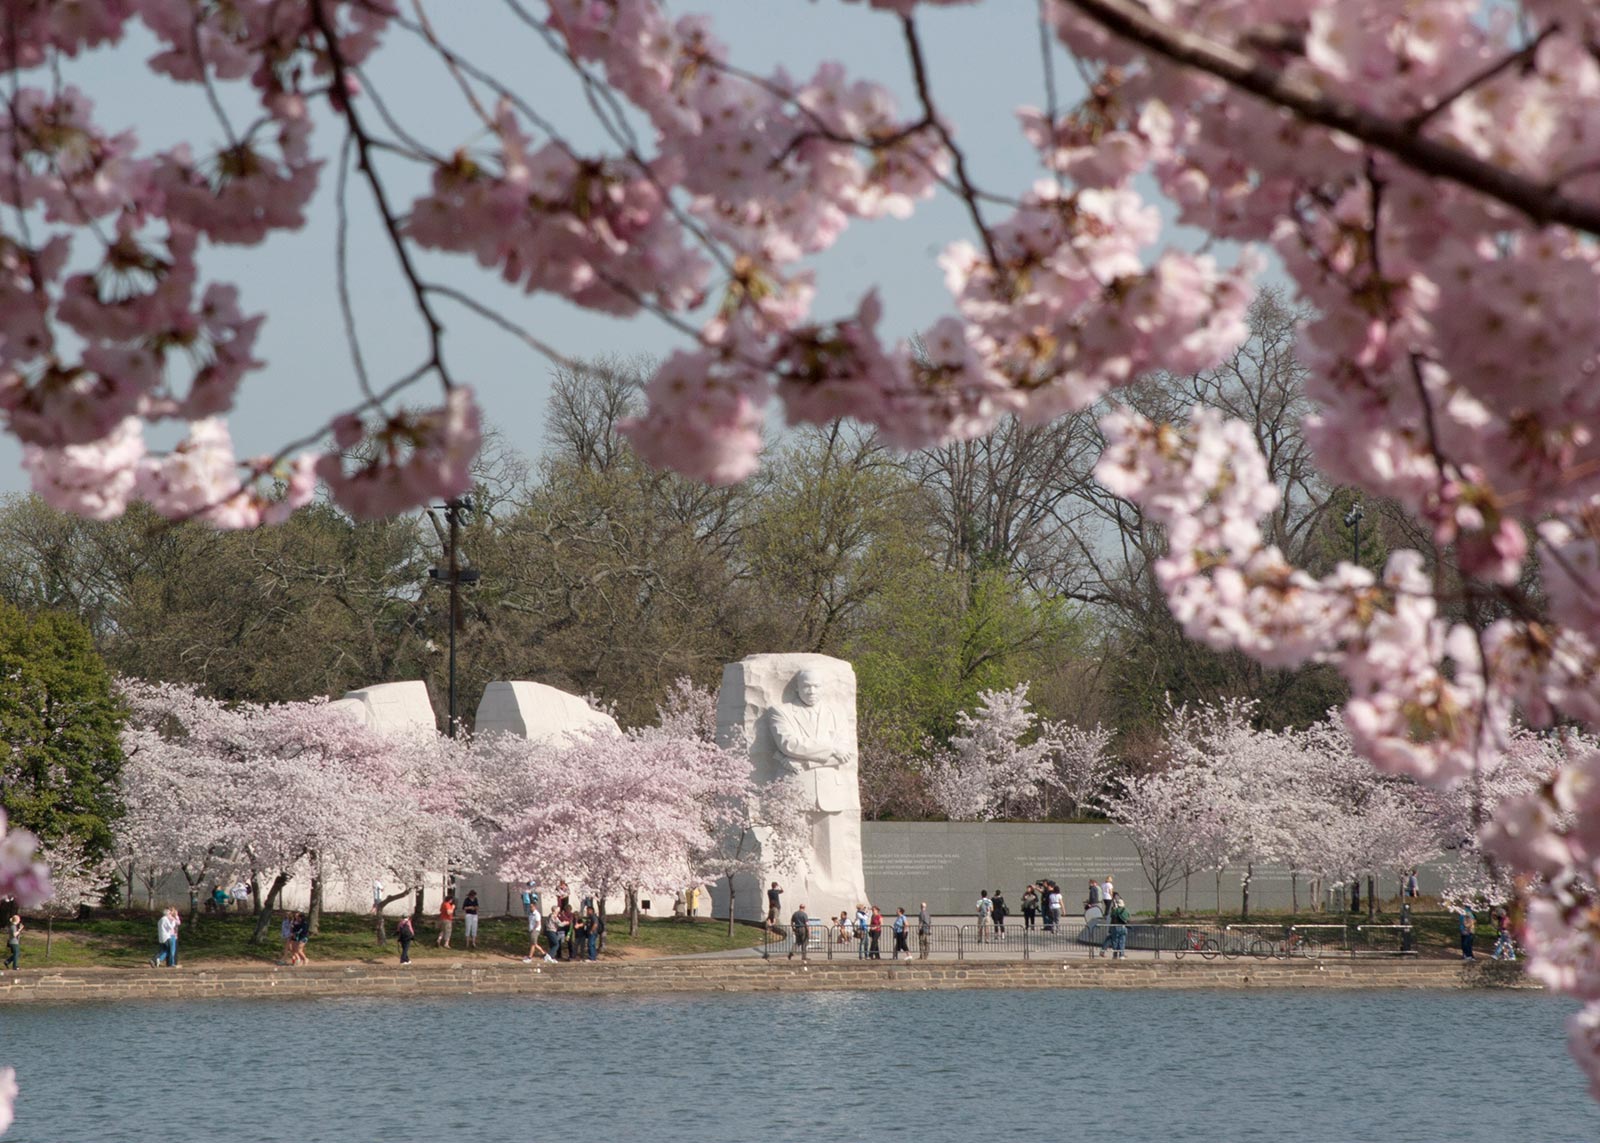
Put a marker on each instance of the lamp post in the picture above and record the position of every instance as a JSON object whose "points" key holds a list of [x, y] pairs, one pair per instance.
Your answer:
{"points": [[1352, 519], [453, 576]]}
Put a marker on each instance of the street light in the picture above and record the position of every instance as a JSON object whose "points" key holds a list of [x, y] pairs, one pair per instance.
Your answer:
{"points": [[453, 577], [1352, 519]]}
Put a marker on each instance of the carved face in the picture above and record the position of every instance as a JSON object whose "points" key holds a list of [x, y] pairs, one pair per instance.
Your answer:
{"points": [[808, 687]]}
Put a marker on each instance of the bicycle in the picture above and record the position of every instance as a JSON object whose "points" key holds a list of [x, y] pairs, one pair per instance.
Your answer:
{"points": [[1196, 941], [1292, 944]]}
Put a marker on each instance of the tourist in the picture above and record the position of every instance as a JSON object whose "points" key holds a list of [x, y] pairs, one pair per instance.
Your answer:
{"points": [[800, 926], [447, 919], [1092, 901], [1053, 908], [568, 924], [405, 932], [924, 931], [301, 934], [165, 936], [14, 942], [1505, 945], [172, 941], [1119, 927], [580, 936], [552, 934], [875, 934], [900, 935], [1030, 907], [985, 910], [1469, 926], [592, 925], [1411, 883], [563, 897], [219, 898], [1108, 893], [999, 910], [241, 895], [862, 921], [535, 926], [469, 914], [286, 932], [774, 900], [843, 927]]}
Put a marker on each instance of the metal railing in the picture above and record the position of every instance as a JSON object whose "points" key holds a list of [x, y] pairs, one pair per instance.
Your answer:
{"points": [[1076, 938]]}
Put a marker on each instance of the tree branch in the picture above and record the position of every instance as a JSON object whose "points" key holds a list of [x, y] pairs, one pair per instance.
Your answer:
{"points": [[1543, 204]]}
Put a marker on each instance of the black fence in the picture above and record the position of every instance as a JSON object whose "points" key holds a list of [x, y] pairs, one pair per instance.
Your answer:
{"points": [[1077, 938]]}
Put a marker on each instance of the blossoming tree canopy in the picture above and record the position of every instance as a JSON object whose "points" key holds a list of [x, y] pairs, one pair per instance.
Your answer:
{"points": [[1425, 171]]}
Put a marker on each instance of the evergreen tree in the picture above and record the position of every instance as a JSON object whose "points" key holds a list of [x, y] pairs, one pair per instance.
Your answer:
{"points": [[59, 722]]}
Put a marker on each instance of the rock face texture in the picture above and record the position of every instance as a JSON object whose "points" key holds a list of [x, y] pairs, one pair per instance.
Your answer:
{"points": [[392, 708], [538, 713], [796, 714]]}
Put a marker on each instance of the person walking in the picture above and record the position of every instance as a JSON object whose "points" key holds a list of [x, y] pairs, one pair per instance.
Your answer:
{"points": [[286, 933], [985, 911], [535, 927], [14, 932], [405, 932], [1411, 884], [1092, 901], [1030, 907], [861, 923], [1108, 892], [469, 914], [875, 933], [1000, 911], [565, 922], [1119, 927], [1053, 909], [1469, 926], [924, 932], [166, 941], [172, 941], [774, 903], [447, 920], [800, 926], [301, 934], [901, 935]]}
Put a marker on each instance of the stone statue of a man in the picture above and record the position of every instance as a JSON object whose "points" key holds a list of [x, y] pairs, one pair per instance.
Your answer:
{"points": [[818, 746], [796, 714]]}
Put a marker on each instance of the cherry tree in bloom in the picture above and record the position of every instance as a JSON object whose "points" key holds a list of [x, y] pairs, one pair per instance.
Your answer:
{"points": [[1004, 760], [1426, 173]]}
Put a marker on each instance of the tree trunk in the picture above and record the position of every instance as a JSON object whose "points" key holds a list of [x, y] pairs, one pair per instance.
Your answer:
{"points": [[264, 918], [1219, 896], [314, 921], [632, 897], [1372, 898], [416, 910], [255, 894], [1244, 887], [730, 905], [1294, 891], [383, 904]]}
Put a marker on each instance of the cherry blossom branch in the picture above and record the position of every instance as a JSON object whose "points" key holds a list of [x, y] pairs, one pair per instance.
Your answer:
{"points": [[969, 192], [344, 104], [1522, 57], [1542, 203]]}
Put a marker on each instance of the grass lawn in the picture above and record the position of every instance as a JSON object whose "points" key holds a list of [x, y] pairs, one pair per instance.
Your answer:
{"points": [[128, 940]]}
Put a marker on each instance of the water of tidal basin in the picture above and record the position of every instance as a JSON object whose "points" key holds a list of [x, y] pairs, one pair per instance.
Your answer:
{"points": [[948, 1067]]}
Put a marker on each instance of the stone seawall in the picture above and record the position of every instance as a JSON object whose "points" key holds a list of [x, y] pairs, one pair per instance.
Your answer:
{"points": [[677, 976]]}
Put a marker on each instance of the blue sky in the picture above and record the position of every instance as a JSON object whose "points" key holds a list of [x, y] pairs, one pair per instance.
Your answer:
{"points": [[984, 61]]}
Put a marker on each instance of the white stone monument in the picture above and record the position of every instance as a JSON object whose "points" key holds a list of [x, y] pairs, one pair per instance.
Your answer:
{"points": [[538, 713], [797, 713], [391, 708]]}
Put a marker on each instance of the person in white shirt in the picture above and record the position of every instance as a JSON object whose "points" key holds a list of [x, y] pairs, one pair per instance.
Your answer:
{"points": [[1107, 892], [1053, 910], [166, 941], [985, 907], [535, 924]]}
